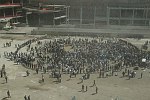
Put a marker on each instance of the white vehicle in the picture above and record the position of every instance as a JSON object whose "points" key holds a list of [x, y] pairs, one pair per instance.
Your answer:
{"points": [[8, 27], [3, 20]]}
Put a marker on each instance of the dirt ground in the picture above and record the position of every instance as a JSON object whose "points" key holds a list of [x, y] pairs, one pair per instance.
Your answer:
{"points": [[108, 88]]}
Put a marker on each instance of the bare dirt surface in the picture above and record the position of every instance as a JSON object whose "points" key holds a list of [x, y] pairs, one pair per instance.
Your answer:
{"points": [[108, 88]]}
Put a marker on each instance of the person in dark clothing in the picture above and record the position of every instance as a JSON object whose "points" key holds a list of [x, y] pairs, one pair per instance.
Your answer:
{"points": [[142, 75], [44, 70], [25, 97], [27, 72], [123, 73], [37, 70], [88, 75], [1, 73], [96, 90], [6, 78], [29, 97], [128, 72], [82, 88], [94, 83], [8, 94], [86, 88]]}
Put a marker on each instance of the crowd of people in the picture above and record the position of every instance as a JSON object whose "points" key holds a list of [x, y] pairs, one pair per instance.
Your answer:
{"points": [[84, 56], [76, 56]]}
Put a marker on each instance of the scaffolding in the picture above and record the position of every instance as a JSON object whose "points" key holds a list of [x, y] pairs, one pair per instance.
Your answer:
{"points": [[11, 12], [57, 14]]}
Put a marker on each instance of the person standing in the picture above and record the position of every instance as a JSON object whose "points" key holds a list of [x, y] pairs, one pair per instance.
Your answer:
{"points": [[3, 67], [86, 88], [82, 79], [123, 73], [112, 73], [73, 98], [6, 78], [129, 76], [29, 97], [88, 75], [103, 74], [37, 70], [70, 76], [1, 73], [82, 88], [27, 72], [44, 70], [25, 97], [94, 83], [96, 90], [141, 74], [8, 94], [100, 73], [128, 72], [42, 78]]}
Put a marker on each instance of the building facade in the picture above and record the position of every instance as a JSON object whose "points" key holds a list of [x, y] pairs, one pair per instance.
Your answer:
{"points": [[22, 12], [46, 14], [96, 11], [11, 13]]}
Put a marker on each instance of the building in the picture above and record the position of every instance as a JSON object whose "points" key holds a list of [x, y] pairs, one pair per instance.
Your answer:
{"points": [[11, 13], [22, 12], [103, 11], [76, 12], [42, 14]]}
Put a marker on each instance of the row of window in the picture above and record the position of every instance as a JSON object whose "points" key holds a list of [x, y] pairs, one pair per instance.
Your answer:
{"points": [[9, 1]]}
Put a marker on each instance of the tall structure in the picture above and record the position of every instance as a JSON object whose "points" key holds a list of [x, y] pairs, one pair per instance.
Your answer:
{"points": [[46, 14], [10, 13], [96, 12], [22, 12], [135, 12], [128, 16]]}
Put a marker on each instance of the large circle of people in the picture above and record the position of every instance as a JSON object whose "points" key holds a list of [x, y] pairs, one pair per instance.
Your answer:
{"points": [[83, 55]]}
